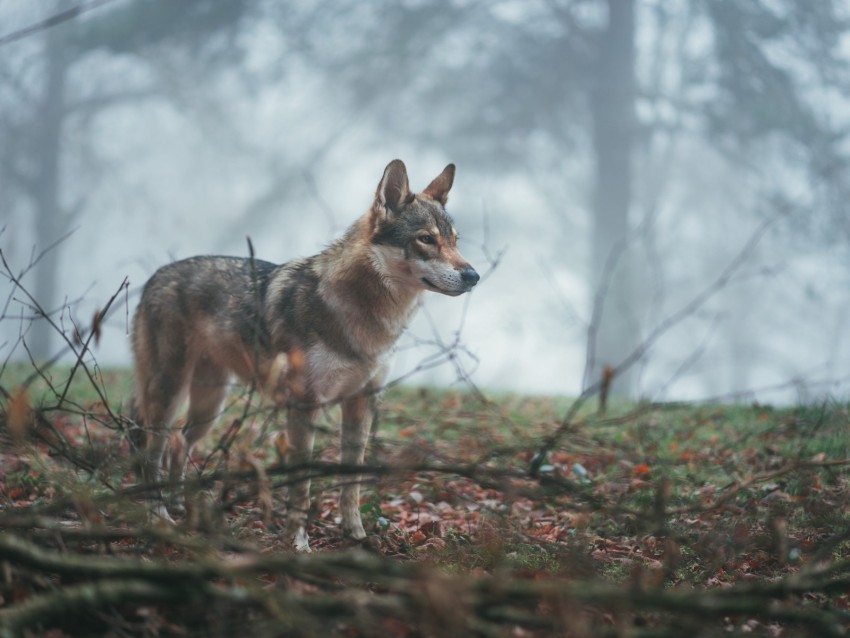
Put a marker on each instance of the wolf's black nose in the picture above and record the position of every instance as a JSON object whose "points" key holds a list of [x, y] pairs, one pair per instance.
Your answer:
{"points": [[469, 276]]}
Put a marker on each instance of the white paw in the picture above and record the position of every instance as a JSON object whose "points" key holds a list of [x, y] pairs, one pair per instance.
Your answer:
{"points": [[160, 513], [301, 541], [355, 531]]}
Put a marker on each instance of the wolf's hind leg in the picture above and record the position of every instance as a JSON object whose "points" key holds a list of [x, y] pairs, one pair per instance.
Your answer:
{"points": [[159, 392], [356, 422], [161, 371], [207, 390], [151, 463], [300, 434], [206, 396]]}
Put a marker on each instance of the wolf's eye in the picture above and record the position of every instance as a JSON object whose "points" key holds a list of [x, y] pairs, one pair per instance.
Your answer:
{"points": [[425, 239]]}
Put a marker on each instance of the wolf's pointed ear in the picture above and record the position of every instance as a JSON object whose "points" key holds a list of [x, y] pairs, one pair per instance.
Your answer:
{"points": [[438, 190], [394, 190]]}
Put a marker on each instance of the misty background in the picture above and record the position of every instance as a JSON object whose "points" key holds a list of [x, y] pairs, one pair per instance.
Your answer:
{"points": [[663, 182]]}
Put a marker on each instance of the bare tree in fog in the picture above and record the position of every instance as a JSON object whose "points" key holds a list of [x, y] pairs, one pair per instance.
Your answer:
{"points": [[591, 92], [781, 76], [612, 98], [561, 84], [44, 113]]}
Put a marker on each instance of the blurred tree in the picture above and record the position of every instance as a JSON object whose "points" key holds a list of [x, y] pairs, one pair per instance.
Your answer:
{"points": [[595, 92], [562, 85], [779, 83], [40, 160], [615, 329]]}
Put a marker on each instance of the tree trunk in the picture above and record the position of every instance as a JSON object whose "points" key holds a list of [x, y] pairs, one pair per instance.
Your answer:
{"points": [[615, 332], [50, 221]]}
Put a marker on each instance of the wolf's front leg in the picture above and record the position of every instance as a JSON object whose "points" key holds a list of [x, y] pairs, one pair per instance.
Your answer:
{"points": [[356, 422], [300, 434]]}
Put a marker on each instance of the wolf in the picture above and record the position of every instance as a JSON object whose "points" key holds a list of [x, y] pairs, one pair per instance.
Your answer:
{"points": [[309, 333]]}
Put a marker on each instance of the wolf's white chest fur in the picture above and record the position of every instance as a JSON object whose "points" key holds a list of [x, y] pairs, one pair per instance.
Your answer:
{"points": [[332, 377]]}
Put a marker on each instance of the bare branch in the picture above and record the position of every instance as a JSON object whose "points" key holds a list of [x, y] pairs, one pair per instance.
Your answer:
{"points": [[52, 21]]}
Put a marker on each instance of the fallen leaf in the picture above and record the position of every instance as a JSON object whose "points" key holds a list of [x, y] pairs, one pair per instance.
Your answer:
{"points": [[18, 415], [642, 471]]}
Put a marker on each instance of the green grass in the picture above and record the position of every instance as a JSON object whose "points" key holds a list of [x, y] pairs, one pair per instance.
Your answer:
{"points": [[672, 495], [44, 387]]}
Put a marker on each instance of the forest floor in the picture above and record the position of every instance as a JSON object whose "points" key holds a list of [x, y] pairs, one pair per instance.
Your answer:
{"points": [[488, 516]]}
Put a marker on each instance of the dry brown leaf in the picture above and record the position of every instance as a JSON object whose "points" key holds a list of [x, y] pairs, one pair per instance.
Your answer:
{"points": [[19, 416]]}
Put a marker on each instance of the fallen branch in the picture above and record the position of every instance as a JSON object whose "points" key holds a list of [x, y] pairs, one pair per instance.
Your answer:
{"points": [[409, 591]]}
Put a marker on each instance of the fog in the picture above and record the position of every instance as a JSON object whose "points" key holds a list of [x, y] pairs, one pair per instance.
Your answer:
{"points": [[666, 181]]}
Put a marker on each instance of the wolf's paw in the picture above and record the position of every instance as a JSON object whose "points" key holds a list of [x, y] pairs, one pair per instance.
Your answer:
{"points": [[300, 541], [354, 531], [295, 532], [159, 514]]}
